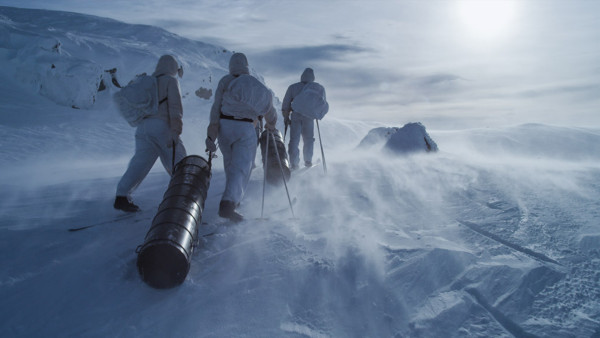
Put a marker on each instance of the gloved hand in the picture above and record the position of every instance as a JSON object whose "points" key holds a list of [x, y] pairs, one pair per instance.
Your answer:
{"points": [[287, 121], [210, 145]]}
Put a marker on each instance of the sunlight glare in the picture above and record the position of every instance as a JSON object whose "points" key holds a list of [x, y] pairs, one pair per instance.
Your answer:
{"points": [[486, 19]]}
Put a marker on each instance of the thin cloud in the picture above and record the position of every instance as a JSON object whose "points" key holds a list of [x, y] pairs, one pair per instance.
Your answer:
{"points": [[289, 59], [584, 90]]}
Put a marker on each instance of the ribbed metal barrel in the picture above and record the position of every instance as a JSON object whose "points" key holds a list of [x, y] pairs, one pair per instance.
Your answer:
{"points": [[271, 163], [164, 258]]}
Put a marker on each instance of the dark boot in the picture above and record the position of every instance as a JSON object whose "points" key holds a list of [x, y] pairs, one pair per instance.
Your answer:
{"points": [[227, 210], [123, 203]]}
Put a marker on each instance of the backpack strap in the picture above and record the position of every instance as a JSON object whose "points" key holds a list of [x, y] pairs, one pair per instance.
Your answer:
{"points": [[229, 84], [300, 92], [166, 97]]}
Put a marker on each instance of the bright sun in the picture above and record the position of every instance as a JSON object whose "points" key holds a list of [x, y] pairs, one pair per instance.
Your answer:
{"points": [[485, 19]]}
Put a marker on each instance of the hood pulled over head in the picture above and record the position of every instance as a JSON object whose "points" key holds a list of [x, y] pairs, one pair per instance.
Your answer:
{"points": [[167, 65], [238, 64], [307, 76]]}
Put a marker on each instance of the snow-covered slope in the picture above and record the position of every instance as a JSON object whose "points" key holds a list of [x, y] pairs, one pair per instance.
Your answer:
{"points": [[66, 56], [494, 235]]}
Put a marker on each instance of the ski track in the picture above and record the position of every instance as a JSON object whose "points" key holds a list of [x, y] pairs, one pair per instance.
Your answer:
{"points": [[536, 255]]}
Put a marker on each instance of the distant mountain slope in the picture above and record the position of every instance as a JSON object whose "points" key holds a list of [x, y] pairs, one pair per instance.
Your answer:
{"points": [[66, 57]]}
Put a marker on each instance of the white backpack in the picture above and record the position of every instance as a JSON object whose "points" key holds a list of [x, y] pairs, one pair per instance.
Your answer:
{"points": [[138, 100], [246, 97], [311, 102]]}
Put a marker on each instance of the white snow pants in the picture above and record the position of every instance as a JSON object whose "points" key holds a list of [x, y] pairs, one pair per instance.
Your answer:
{"points": [[305, 127], [238, 143], [152, 140]]}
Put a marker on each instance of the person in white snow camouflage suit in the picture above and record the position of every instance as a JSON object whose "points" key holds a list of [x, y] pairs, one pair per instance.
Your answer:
{"points": [[300, 125], [156, 135], [237, 139]]}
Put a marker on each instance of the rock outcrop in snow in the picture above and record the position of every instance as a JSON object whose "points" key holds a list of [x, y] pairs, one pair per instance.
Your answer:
{"points": [[411, 138]]}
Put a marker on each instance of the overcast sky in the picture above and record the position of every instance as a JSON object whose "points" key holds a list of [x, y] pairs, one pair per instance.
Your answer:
{"points": [[448, 64]]}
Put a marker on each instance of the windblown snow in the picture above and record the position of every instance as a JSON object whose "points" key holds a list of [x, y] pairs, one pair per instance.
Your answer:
{"points": [[495, 234]]}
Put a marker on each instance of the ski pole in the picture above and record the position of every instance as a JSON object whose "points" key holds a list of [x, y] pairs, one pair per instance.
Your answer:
{"points": [[282, 174], [322, 152], [265, 168], [173, 161], [285, 131]]}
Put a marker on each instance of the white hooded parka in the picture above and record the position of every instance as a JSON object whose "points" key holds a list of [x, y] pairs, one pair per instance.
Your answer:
{"points": [[237, 138], [155, 135]]}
